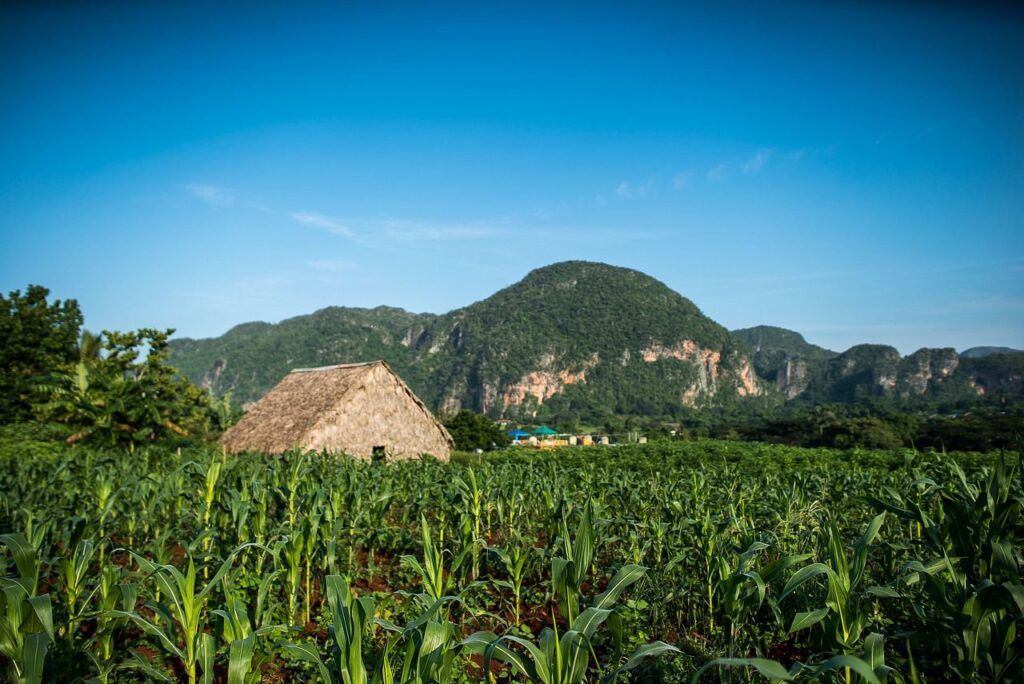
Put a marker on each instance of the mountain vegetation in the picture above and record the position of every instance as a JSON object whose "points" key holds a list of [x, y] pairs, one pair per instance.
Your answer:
{"points": [[579, 341], [571, 339], [981, 352]]}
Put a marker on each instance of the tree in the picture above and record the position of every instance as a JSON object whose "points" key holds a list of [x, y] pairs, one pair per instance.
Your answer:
{"points": [[37, 339], [473, 431], [127, 394]]}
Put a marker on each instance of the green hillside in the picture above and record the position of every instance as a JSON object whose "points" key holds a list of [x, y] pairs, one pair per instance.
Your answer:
{"points": [[573, 338], [583, 341], [982, 352], [251, 358], [783, 358], [577, 318]]}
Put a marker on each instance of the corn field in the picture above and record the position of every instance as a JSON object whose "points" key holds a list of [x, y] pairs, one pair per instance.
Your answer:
{"points": [[665, 562]]}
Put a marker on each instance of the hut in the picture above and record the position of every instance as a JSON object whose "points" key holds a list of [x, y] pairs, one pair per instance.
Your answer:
{"points": [[361, 409]]}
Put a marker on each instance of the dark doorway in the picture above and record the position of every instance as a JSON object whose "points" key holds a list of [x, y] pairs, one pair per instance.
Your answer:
{"points": [[378, 454]]}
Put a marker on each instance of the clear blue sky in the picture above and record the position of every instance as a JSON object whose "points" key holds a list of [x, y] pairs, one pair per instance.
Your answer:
{"points": [[853, 171]]}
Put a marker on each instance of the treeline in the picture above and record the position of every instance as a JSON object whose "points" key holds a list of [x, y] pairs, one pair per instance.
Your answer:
{"points": [[113, 389], [867, 425]]}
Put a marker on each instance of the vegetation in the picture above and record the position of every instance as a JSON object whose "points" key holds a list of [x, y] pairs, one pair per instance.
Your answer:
{"points": [[36, 338], [472, 431], [115, 389], [667, 562], [586, 317], [867, 424], [113, 397], [772, 347], [556, 318], [132, 550]]}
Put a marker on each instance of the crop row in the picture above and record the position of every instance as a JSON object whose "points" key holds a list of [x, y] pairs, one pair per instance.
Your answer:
{"points": [[662, 562]]}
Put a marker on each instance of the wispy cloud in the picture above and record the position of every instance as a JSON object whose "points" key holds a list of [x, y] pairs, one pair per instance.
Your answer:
{"points": [[631, 190], [332, 265], [316, 220], [717, 173], [211, 194], [681, 180], [757, 162], [413, 231]]}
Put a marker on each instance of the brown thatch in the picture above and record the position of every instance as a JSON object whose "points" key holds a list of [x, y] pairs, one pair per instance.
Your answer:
{"points": [[351, 408]]}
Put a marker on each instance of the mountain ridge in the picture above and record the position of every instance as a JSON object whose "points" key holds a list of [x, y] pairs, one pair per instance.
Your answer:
{"points": [[576, 340]]}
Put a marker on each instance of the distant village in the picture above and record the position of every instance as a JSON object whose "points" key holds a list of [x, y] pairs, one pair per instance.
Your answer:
{"points": [[544, 437]]}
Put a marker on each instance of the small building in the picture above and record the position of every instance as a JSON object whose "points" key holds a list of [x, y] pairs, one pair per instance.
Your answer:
{"points": [[361, 409]]}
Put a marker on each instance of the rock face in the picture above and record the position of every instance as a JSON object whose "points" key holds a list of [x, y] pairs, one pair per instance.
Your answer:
{"points": [[584, 340], [925, 368], [783, 358], [792, 377], [577, 338]]}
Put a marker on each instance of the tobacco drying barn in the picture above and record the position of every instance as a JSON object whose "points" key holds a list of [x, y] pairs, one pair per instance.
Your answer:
{"points": [[361, 409]]}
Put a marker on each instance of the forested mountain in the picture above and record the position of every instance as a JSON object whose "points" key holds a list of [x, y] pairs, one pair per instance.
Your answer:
{"points": [[581, 340], [572, 339], [812, 375], [982, 352], [784, 358]]}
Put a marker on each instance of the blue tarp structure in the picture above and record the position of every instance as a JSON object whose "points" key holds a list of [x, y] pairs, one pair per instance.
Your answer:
{"points": [[518, 434]]}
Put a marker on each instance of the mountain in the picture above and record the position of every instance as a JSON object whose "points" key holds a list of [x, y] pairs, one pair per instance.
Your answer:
{"points": [[251, 358], [574, 339], [580, 340], [877, 371], [982, 352], [784, 358]]}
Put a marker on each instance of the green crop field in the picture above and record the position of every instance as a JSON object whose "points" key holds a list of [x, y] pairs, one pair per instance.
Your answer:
{"points": [[669, 562]]}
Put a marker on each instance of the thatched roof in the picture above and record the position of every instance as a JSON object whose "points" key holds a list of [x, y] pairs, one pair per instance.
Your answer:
{"points": [[350, 408]]}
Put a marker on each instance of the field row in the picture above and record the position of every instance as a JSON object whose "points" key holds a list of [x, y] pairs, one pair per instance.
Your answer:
{"points": [[659, 562]]}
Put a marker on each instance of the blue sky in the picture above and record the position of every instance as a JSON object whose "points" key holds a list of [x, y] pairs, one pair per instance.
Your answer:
{"points": [[853, 171]]}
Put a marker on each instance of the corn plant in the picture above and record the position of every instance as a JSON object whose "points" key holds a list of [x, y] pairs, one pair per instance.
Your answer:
{"points": [[565, 658], [472, 505], [740, 589], [237, 631], [570, 569], [351, 621], [845, 615], [970, 595], [209, 492], [179, 624], [292, 548], [115, 599], [432, 646], [26, 630], [438, 579], [73, 570], [516, 560], [311, 537]]}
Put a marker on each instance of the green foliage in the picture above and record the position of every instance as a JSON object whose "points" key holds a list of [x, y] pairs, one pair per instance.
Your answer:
{"points": [[568, 316], [168, 565], [37, 338], [586, 318], [115, 398], [473, 431], [26, 628], [877, 424], [772, 348], [967, 594], [116, 389]]}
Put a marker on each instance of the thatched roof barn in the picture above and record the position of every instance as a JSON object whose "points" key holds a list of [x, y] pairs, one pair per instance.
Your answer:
{"points": [[361, 409]]}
